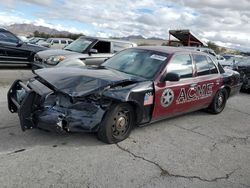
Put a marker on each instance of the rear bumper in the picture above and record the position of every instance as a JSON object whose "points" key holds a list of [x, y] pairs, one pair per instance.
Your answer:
{"points": [[78, 117]]}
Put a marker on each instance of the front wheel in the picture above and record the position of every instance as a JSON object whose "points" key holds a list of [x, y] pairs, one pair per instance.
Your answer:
{"points": [[219, 102], [117, 123]]}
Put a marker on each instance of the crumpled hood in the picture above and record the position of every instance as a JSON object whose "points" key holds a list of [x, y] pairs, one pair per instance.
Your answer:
{"points": [[78, 82], [48, 53]]}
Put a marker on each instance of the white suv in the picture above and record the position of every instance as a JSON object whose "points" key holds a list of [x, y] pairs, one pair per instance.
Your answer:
{"points": [[57, 43]]}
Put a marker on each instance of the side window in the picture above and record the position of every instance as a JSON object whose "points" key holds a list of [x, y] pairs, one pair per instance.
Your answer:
{"points": [[182, 65], [63, 42], [213, 69], [55, 41], [102, 47], [201, 64], [8, 37], [118, 46]]}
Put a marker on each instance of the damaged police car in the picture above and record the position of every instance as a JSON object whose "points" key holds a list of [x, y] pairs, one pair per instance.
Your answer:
{"points": [[137, 86]]}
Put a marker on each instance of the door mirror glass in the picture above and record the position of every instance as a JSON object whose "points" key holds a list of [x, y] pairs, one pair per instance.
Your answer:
{"points": [[172, 77]]}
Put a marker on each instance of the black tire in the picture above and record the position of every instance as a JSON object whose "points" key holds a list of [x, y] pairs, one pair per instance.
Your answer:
{"points": [[245, 82], [219, 102], [117, 123]]}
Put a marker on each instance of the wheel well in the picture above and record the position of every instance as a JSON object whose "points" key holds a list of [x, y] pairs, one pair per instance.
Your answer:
{"points": [[228, 91], [138, 111]]}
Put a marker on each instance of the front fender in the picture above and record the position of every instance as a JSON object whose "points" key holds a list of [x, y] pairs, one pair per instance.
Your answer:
{"points": [[134, 94]]}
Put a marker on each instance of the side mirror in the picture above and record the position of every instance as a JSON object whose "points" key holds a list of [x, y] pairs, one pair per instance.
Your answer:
{"points": [[19, 43], [93, 51], [171, 76]]}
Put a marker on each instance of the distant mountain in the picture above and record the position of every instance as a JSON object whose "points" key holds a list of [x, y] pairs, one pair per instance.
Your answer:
{"points": [[132, 37], [27, 29], [155, 38]]}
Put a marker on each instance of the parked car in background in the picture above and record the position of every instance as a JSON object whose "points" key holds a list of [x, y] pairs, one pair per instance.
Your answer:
{"points": [[220, 59], [203, 49], [15, 51], [23, 38], [36, 40], [231, 60], [137, 86], [84, 50], [56, 43], [240, 64]]}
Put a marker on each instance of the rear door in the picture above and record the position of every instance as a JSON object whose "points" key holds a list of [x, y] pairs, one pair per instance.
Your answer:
{"points": [[172, 98], [207, 78]]}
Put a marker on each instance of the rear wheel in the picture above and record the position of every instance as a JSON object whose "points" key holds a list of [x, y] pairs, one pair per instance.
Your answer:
{"points": [[117, 123], [219, 101]]}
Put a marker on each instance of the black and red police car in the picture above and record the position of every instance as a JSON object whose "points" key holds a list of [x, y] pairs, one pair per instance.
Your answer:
{"points": [[137, 86]]}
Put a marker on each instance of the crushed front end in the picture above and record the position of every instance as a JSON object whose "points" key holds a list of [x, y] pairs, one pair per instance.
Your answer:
{"points": [[40, 105]]}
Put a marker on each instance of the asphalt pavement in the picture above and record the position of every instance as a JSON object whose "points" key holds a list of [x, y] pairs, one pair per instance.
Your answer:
{"points": [[193, 150]]}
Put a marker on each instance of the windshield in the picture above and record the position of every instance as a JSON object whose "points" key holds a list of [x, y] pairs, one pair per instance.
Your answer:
{"points": [[79, 45], [143, 63]]}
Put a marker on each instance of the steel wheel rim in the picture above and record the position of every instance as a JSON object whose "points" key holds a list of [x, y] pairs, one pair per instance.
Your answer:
{"points": [[121, 123], [220, 101]]}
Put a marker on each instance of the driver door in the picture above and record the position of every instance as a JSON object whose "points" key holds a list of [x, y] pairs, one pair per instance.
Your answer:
{"points": [[171, 96], [103, 52]]}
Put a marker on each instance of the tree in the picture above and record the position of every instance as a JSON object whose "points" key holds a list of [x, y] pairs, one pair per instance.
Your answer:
{"points": [[214, 47]]}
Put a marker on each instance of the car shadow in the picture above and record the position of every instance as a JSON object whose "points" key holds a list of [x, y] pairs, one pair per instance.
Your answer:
{"points": [[39, 137]]}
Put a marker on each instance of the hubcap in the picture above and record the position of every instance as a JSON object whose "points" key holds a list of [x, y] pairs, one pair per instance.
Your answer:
{"points": [[220, 100], [120, 123]]}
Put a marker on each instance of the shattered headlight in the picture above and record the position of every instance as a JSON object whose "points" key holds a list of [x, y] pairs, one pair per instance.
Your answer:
{"points": [[54, 60]]}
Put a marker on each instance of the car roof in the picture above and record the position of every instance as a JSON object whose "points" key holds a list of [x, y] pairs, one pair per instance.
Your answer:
{"points": [[197, 48], [61, 38], [168, 49]]}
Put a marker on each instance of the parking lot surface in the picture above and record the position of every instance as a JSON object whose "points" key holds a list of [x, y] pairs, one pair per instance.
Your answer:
{"points": [[193, 150]]}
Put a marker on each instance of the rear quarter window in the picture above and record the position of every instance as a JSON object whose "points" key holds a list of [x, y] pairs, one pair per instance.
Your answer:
{"points": [[212, 67], [202, 66]]}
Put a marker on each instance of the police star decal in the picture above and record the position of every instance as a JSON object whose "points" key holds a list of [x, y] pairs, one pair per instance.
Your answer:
{"points": [[167, 97]]}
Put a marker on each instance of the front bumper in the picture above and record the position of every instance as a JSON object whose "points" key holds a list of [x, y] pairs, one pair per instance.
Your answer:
{"points": [[33, 111]]}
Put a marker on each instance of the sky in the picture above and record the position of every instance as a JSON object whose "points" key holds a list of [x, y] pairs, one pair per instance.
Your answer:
{"points": [[221, 21]]}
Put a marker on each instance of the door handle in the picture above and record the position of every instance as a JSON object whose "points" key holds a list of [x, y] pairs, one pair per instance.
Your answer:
{"points": [[193, 85]]}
